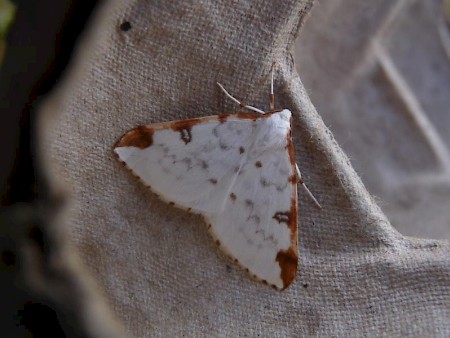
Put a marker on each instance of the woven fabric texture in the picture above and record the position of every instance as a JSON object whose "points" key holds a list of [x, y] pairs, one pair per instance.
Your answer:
{"points": [[159, 271]]}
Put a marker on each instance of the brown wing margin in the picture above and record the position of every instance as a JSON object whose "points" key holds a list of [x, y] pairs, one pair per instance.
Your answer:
{"points": [[288, 259]]}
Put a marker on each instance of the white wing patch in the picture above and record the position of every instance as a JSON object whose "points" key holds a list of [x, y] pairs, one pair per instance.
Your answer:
{"points": [[236, 170]]}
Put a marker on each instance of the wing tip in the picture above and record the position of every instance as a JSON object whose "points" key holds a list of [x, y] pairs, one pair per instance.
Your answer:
{"points": [[140, 137], [288, 261]]}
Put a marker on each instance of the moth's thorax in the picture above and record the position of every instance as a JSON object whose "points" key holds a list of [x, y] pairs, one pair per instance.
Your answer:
{"points": [[273, 131], [285, 115]]}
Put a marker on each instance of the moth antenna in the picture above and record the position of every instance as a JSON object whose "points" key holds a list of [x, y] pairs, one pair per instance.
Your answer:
{"points": [[239, 102], [272, 96], [310, 194]]}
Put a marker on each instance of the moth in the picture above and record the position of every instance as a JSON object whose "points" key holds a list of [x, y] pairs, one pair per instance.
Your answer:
{"points": [[236, 170]]}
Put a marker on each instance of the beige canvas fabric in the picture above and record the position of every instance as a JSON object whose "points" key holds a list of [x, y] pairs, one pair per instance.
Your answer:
{"points": [[156, 266]]}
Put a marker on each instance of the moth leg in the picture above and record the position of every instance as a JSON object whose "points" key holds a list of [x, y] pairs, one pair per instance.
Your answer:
{"points": [[300, 180]]}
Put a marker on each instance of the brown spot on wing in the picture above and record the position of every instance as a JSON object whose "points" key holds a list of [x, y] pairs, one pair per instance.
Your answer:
{"points": [[258, 164], [287, 259], [213, 181], [233, 197], [223, 118], [241, 150], [293, 179], [248, 203], [289, 217], [184, 127], [140, 137], [282, 217]]}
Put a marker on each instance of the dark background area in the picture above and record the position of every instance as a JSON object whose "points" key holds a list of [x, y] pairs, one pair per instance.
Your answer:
{"points": [[39, 47]]}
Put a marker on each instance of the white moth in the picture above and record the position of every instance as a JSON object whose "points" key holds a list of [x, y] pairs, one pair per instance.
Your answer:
{"points": [[239, 172]]}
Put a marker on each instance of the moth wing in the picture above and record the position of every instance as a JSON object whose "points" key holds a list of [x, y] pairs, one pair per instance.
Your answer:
{"points": [[190, 163], [258, 224], [238, 171]]}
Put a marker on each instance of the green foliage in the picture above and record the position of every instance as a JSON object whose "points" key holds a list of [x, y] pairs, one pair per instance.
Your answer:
{"points": [[7, 12]]}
